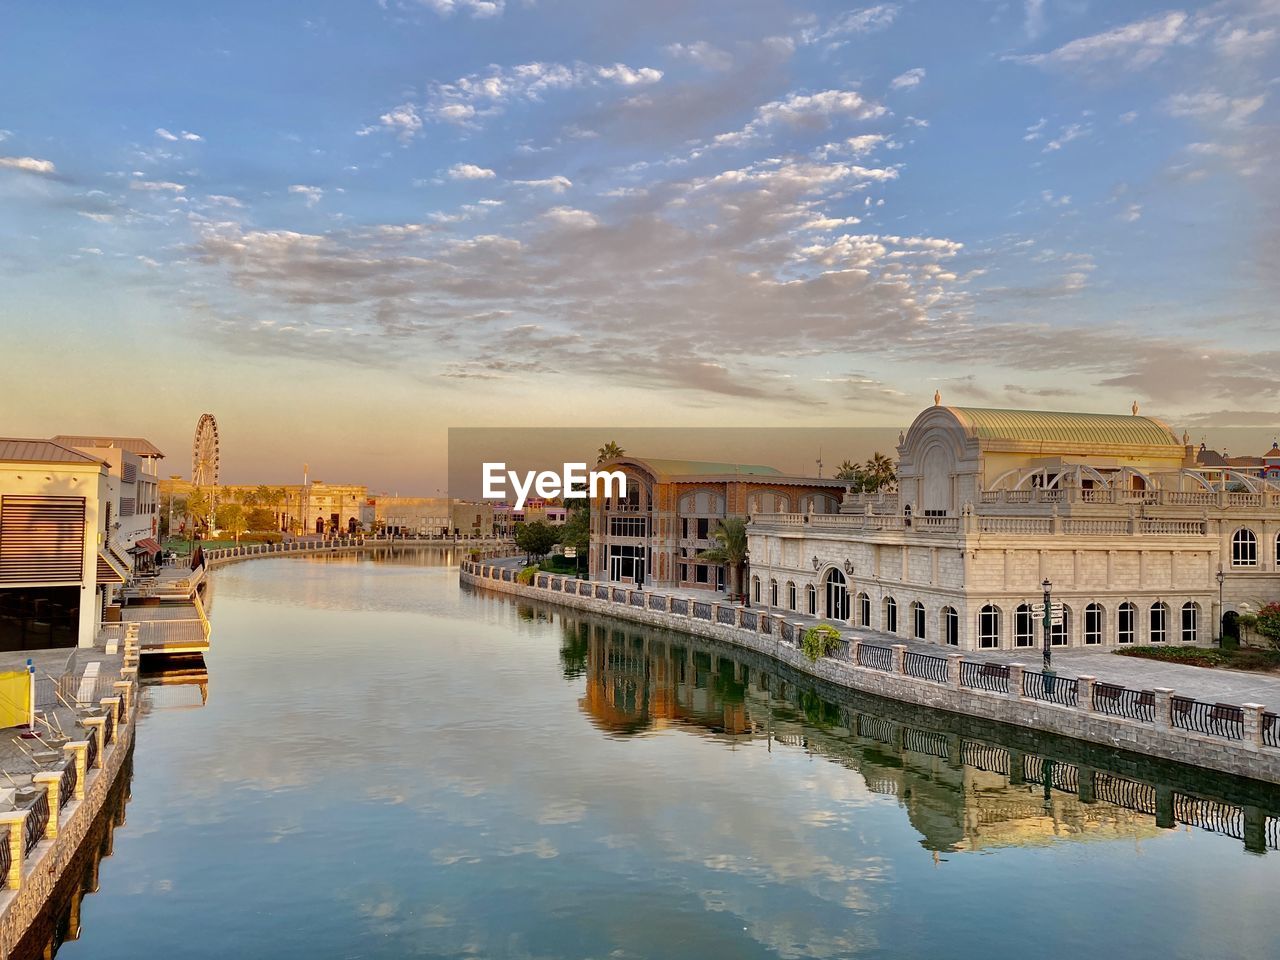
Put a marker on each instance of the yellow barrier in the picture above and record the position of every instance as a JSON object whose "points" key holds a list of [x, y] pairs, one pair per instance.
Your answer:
{"points": [[15, 698]]}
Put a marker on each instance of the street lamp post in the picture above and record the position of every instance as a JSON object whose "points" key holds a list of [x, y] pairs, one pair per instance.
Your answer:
{"points": [[1048, 624], [1221, 578]]}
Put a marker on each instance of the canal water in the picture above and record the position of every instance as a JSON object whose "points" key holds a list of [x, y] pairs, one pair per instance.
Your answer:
{"points": [[389, 766]]}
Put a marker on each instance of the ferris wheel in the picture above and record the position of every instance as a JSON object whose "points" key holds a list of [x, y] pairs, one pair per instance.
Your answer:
{"points": [[204, 453]]}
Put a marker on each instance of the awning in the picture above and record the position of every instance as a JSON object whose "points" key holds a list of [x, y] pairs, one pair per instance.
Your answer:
{"points": [[108, 570], [146, 545]]}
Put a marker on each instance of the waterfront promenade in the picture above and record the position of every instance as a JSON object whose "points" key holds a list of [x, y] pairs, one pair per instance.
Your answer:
{"points": [[1123, 709]]}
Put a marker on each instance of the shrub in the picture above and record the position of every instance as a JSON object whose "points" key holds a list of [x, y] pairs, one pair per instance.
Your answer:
{"points": [[1268, 623], [261, 537], [820, 641], [527, 574]]}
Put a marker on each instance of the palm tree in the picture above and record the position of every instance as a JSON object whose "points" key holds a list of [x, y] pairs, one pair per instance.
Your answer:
{"points": [[880, 472], [852, 472], [731, 534], [610, 451]]}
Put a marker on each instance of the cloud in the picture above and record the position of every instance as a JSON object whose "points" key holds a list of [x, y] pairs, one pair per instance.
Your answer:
{"points": [[478, 9], [866, 20], [905, 81], [157, 186], [312, 195], [1033, 18], [556, 184], [29, 165], [1131, 47], [469, 171], [404, 122], [813, 111], [1212, 105], [164, 134], [701, 53], [569, 217], [1072, 131]]}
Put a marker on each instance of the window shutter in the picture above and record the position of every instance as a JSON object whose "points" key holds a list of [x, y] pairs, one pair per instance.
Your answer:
{"points": [[41, 539]]}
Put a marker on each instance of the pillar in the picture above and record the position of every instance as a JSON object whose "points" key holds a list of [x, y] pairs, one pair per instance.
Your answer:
{"points": [[1253, 723], [15, 821], [124, 690], [51, 780], [1164, 697], [899, 652], [953, 669], [1084, 693], [95, 727], [1015, 679]]}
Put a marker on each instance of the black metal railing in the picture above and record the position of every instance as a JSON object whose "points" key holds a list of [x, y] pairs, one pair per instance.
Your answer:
{"points": [[1215, 719], [1212, 815], [6, 858], [1270, 729], [602, 592], [787, 632], [680, 605], [925, 666], [619, 595], [557, 583], [635, 598], [657, 603], [983, 756], [1049, 687], [91, 755], [877, 658], [1118, 701], [750, 620], [875, 728], [701, 611], [985, 676], [542, 580], [109, 728], [67, 783], [926, 742], [727, 615], [37, 820], [1062, 776], [1124, 792]]}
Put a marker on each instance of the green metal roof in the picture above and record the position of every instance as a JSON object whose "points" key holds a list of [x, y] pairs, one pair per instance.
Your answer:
{"points": [[1053, 427], [670, 469]]}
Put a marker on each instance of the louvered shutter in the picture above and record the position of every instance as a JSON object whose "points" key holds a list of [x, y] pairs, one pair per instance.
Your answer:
{"points": [[41, 539]]}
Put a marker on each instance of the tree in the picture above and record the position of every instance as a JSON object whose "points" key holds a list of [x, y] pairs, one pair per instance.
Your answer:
{"points": [[1268, 624], [260, 519], [199, 506], [536, 538], [576, 531], [610, 451], [731, 534], [229, 517], [880, 473], [171, 505]]}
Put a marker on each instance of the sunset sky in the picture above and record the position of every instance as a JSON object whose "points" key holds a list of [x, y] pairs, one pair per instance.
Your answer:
{"points": [[344, 227]]}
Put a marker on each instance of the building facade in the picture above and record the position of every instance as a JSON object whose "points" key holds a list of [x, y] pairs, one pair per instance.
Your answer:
{"points": [[652, 536], [1139, 544]]}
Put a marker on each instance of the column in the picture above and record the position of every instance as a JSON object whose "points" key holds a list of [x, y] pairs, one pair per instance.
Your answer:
{"points": [[899, 651], [1084, 693], [51, 780], [1163, 698], [95, 727], [16, 823], [954, 660], [1253, 723]]}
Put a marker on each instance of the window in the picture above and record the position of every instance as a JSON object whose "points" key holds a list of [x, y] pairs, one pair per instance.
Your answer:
{"points": [[704, 528], [864, 610], [626, 563], [1190, 621], [1159, 622], [628, 526], [1024, 626], [791, 595], [811, 600], [917, 620], [837, 596], [989, 627], [951, 626], [1126, 622], [773, 593], [890, 615], [1093, 617], [755, 586], [1059, 633], [1244, 548]]}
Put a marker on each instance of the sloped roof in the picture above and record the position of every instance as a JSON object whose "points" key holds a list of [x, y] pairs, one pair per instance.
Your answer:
{"points": [[16, 450], [1273, 453], [135, 445], [1056, 427], [1210, 458], [675, 469]]}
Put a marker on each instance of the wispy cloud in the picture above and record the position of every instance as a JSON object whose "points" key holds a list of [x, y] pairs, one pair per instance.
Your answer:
{"points": [[905, 81], [29, 165], [164, 134], [469, 171], [312, 195]]}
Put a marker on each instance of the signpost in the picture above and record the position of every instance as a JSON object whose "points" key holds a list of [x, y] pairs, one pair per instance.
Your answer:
{"points": [[1052, 616]]}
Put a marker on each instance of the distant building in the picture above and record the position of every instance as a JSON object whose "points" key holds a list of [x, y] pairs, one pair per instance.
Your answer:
{"points": [[311, 508], [654, 534], [55, 568], [1130, 525]]}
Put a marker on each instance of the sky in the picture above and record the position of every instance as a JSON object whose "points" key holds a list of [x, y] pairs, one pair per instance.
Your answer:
{"points": [[344, 227]]}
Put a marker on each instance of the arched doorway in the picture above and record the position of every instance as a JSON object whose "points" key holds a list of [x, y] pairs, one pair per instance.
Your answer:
{"points": [[837, 589], [1231, 629], [319, 524]]}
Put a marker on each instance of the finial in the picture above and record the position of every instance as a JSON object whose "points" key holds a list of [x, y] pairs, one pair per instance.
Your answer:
{"points": [[1135, 408], [1186, 438], [937, 397], [902, 438]]}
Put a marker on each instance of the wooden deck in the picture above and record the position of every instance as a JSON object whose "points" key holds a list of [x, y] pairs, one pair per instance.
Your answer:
{"points": [[178, 627]]}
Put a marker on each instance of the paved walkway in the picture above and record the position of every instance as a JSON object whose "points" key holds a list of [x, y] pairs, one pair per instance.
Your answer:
{"points": [[1210, 685]]}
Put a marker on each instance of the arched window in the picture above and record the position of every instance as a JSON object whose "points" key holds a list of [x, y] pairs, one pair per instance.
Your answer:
{"points": [[1059, 633], [864, 610], [1024, 626], [811, 600], [755, 589], [837, 596], [1126, 623], [890, 615], [1093, 623], [951, 626], [1244, 548], [1159, 622], [989, 627], [773, 593], [917, 620], [1190, 621], [791, 595]]}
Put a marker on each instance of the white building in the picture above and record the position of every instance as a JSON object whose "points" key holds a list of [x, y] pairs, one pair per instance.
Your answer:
{"points": [[1111, 510]]}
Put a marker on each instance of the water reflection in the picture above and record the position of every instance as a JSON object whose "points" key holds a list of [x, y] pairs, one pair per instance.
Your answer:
{"points": [[393, 767]]}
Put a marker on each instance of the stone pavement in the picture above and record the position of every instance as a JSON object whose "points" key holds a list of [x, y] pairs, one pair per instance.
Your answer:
{"points": [[1209, 685]]}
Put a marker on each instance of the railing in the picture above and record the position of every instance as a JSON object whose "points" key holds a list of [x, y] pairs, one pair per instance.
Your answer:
{"points": [[701, 611], [877, 658], [875, 728], [766, 624], [727, 616], [926, 742], [1216, 719], [91, 754], [635, 598], [985, 757], [925, 666], [1033, 525], [602, 592], [787, 631], [1062, 776], [1049, 687], [37, 820], [1270, 729], [618, 595], [6, 861], [680, 605], [1120, 701], [1212, 815], [984, 676], [67, 784], [750, 620], [657, 603], [109, 728], [1124, 792]]}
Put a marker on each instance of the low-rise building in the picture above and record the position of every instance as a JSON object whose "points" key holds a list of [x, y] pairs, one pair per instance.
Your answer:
{"points": [[1111, 513]]}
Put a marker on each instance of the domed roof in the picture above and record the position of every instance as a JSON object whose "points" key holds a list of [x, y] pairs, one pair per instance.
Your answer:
{"points": [[1054, 427]]}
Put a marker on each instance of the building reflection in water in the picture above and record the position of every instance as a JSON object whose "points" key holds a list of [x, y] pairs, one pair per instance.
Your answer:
{"points": [[173, 683], [961, 793]]}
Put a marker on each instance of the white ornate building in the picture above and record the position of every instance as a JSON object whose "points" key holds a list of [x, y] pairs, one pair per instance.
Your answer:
{"points": [[1111, 510]]}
